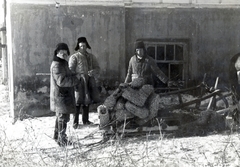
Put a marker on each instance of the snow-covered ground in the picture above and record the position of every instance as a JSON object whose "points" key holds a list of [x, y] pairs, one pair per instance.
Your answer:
{"points": [[29, 143]]}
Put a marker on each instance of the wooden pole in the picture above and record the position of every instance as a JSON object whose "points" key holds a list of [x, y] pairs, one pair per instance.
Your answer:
{"points": [[214, 97]]}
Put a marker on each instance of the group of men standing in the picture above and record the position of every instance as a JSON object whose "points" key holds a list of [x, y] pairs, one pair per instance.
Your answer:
{"points": [[73, 87]]}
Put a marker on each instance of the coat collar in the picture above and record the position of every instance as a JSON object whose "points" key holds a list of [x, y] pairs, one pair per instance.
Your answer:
{"points": [[140, 60], [55, 58]]}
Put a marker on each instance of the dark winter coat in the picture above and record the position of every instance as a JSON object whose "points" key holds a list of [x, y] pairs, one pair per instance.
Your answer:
{"points": [[233, 78], [144, 68], [62, 84]]}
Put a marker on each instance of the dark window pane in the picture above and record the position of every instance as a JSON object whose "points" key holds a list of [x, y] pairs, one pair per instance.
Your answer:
{"points": [[179, 52], [163, 67], [176, 72], [170, 52], [151, 51], [157, 82], [160, 52]]}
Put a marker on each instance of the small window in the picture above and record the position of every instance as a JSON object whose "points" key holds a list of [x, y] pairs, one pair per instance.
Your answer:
{"points": [[160, 52], [151, 51], [170, 52], [171, 58]]}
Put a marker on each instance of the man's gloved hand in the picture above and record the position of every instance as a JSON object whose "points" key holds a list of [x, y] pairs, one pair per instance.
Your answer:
{"points": [[92, 73]]}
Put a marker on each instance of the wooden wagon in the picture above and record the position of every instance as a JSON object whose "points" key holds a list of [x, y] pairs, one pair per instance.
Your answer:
{"points": [[197, 112]]}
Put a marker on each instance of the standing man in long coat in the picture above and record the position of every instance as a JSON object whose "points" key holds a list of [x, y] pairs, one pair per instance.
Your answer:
{"points": [[62, 100], [86, 93]]}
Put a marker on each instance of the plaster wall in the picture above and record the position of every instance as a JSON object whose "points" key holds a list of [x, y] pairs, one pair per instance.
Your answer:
{"points": [[111, 31], [36, 29], [213, 36]]}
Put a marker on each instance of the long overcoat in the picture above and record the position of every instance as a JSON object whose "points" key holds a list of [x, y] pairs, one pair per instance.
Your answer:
{"points": [[62, 84], [80, 64]]}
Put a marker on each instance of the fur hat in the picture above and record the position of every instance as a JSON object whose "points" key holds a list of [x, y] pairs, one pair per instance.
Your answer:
{"points": [[139, 44], [61, 46], [82, 39]]}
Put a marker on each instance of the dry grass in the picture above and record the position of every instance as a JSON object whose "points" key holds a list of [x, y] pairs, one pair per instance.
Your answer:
{"points": [[29, 143]]}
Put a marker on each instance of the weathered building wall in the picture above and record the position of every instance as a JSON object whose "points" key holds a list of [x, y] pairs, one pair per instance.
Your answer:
{"points": [[213, 36], [36, 29]]}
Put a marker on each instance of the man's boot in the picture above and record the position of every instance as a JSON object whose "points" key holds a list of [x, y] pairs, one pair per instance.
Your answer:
{"points": [[62, 137], [76, 117], [55, 135], [85, 115]]}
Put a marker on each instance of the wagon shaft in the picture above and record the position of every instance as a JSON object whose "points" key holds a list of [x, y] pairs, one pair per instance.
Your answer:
{"points": [[183, 105]]}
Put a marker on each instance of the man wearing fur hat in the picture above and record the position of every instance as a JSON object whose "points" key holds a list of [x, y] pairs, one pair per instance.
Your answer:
{"points": [[85, 64], [62, 100], [143, 66]]}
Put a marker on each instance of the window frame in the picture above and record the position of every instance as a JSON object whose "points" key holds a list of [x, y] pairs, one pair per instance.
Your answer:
{"points": [[185, 62]]}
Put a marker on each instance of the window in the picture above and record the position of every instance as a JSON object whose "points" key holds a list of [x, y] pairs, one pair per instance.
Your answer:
{"points": [[171, 57]]}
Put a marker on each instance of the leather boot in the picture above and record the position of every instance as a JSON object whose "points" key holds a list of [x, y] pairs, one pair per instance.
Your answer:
{"points": [[85, 115], [62, 137], [76, 117], [55, 135]]}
